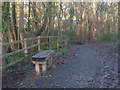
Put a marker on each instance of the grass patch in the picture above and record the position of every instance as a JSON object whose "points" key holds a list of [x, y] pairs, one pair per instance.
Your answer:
{"points": [[60, 53], [110, 37], [107, 37], [14, 57], [26, 67]]}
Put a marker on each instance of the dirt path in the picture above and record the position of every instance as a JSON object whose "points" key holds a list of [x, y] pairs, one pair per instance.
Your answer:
{"points": [[89, 67]]}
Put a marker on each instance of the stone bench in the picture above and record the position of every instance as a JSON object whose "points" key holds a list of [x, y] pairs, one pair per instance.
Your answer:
{"points": [[41, 58]]}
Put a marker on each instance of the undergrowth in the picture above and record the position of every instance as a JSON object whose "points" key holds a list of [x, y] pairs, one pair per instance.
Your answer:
{"points": [[25, 62], [111, 36], [72, 36]]}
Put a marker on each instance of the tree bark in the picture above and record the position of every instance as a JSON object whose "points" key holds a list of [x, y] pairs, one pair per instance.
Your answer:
{"points": [[29, 17], [21, 22], [14, 21]]}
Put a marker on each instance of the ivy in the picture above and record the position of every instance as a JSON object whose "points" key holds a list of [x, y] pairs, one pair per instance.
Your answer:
{"points": [[6, 19]]}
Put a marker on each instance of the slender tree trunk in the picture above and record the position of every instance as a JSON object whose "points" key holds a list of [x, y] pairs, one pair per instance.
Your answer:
{"points": [[14, 21], [21, 22], [29, 17], [45, 20]]}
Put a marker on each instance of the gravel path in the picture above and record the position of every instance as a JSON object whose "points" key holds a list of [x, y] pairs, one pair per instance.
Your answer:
{"points": [[77, 73], [89, 67]]}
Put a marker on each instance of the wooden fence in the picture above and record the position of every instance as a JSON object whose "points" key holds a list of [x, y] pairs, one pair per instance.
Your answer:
{"points": [[38, 42]]}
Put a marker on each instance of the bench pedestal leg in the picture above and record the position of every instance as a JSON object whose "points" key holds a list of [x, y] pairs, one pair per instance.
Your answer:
{"points": [[43, 67], [50, 62], [37, 68]]}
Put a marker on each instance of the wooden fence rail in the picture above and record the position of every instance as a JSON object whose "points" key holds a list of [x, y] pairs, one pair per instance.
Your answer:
{"points": [[39, 42]]}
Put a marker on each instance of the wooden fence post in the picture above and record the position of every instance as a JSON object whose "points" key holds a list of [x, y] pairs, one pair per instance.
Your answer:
{"points": [[2, 64], [39, 43], [57, 42], [25, 46], [60, 41], [65, 41], [2, 59], [49, 42], [0, 33]]}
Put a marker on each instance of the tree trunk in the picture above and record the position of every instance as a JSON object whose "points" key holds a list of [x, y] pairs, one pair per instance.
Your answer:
{"points": [[21, 22], [29, 17], [14, 21], [45, 20]]}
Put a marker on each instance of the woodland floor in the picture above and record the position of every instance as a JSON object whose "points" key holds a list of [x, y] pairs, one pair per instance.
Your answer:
{"points": [[82, 66]]}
